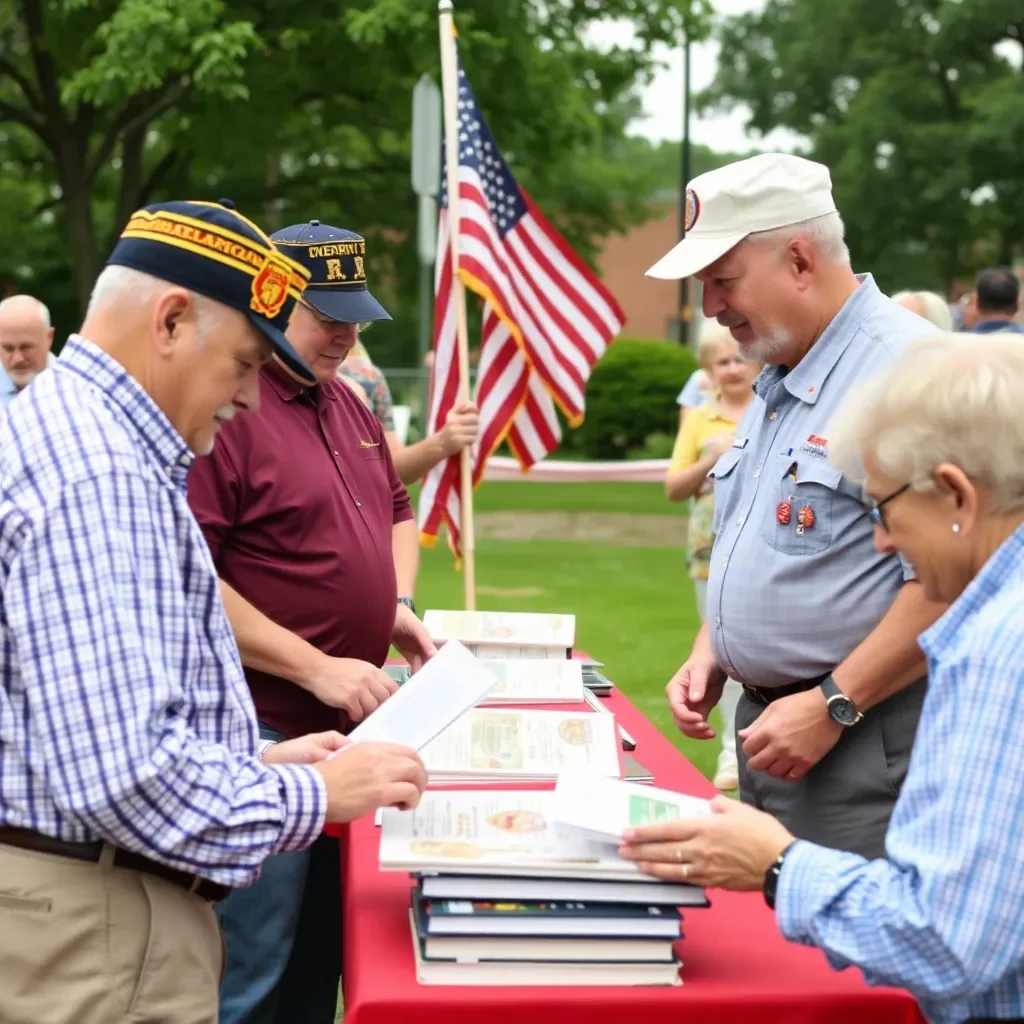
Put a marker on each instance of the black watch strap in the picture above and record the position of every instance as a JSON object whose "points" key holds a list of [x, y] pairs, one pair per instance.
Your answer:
{"points": [[771, 877], [409, 603]]}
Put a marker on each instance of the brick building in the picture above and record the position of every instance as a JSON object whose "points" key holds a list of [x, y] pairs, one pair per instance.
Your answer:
{"points": [[651, 307]]}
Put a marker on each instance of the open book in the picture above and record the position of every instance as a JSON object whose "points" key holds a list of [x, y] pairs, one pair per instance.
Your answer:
{"points": [[602, 809], [536, 681], [499, 832], [544, 635], [491, 744]]}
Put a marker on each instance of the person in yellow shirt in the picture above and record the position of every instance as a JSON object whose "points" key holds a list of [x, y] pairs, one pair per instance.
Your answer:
{"points": [[706, 432]]}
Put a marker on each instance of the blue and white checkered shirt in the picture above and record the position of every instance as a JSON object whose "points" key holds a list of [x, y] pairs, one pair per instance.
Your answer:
{"points": [[124, 713], [943, 916]]}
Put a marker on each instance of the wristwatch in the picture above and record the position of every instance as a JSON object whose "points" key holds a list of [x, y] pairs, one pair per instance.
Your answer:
{"points": [[840, 708], [771, 878], [409, 603]]}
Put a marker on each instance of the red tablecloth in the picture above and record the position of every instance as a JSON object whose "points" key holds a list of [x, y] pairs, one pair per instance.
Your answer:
{"points": [[736, 966]]}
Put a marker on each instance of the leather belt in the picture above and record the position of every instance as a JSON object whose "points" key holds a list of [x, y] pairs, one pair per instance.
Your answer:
{"points": [[26, 839], [764, 695]]}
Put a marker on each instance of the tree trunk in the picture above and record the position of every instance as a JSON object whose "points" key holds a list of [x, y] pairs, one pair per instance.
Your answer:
{"points": [[80, 227], [272, 207], [132, 148]]}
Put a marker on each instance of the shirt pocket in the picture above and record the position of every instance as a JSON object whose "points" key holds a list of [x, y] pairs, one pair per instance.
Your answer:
{"points": [[372, 453], [725, 478], [799, 521]]}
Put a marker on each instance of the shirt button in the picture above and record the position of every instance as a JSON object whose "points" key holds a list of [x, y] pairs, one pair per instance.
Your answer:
{"points": [[741, 520], [718, 621], [334, 453], [359, 504], [757, 473], [725, 561], [169, 470], [773, 415]]}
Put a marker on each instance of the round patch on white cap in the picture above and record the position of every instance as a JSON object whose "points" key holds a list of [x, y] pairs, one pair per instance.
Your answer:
{"points": [[692, 209]]}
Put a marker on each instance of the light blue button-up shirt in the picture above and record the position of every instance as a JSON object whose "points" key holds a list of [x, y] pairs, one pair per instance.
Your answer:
{"points": [[943, 916], [788, 602], [124, 713]]}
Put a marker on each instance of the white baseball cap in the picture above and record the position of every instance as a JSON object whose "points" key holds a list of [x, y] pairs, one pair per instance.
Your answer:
{"points": [[760, 193]]}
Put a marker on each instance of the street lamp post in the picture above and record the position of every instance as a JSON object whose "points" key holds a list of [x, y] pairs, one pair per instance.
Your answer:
{"points": [[685, 309]]}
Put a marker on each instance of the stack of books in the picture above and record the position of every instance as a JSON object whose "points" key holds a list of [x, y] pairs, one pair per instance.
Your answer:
{"points": [[522, 745], [596, 682], [507, 894]]}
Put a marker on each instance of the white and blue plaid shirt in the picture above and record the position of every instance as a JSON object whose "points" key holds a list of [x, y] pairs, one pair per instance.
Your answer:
{"points": [[124, 713], [943, 916]]}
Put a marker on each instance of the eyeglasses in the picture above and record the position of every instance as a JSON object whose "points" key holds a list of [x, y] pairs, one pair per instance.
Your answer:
{"points": [[875, 513], [326, 321]]}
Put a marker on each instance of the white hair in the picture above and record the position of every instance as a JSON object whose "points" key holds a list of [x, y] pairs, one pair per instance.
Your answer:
{"points": [[18, 300], [934, 308], [712, 336], [825, 233], [947, 398], [127, 285]]}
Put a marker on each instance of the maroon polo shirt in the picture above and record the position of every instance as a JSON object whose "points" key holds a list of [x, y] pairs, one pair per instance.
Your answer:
{"points": [[297, 504]]}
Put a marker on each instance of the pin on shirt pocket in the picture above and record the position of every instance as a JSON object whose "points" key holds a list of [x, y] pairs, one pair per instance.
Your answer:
{"points": [[800, 520]]}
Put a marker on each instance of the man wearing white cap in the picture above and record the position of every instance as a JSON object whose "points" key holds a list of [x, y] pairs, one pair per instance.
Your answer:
{"points": [[819, 627]]}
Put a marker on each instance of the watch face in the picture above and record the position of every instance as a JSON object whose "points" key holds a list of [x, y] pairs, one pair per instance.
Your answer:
{"points": [[842, 710]]}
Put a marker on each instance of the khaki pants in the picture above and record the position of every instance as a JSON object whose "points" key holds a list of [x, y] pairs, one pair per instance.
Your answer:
{"points": [[85, 943]]}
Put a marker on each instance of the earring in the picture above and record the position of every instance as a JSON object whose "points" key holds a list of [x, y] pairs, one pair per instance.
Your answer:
{"points": [[956, 527]]}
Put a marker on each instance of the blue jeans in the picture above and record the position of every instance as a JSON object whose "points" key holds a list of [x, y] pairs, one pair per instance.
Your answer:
{"points": [[283, 938]]}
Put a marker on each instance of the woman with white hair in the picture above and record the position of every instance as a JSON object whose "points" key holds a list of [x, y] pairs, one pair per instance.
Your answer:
{"points": [[932, 307], [938, 441]]}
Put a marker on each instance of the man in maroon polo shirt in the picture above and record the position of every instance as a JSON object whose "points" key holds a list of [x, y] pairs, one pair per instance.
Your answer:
{"points": [[316, 546]]}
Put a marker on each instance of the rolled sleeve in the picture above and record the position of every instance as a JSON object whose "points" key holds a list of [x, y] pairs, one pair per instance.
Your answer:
{"points": [[305, 798]]}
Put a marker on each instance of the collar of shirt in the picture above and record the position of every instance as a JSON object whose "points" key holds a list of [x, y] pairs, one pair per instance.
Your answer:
{"points": [[807, 378], [287, 387], [711, 410], [996, 326], [996, 574], [120, 388]]}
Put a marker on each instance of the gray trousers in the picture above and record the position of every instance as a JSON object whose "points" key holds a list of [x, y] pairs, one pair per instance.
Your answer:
{"points": [[846, 799]]}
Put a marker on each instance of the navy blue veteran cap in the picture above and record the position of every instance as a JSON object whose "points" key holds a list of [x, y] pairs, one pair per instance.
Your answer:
{"points": [[336, 261], [214, 251]]}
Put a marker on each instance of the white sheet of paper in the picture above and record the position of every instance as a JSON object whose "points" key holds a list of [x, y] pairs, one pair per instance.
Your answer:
{"points": [[451, 683], [601, 809]]}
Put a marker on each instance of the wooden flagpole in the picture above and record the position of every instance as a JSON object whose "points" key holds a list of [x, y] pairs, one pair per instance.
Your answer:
{"points": [[450, 94]]}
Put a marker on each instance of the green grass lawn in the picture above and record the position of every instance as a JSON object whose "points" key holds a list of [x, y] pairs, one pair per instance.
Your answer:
{"points": [[634, 606]]}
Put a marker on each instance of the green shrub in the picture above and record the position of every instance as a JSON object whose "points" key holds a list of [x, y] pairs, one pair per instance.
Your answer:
{"points": [[631, 395]]}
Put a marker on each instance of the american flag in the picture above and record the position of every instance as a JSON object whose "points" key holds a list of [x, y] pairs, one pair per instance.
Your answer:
{"points": [[546, 320]]}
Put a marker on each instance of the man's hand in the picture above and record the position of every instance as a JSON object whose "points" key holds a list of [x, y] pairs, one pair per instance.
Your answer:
{"points": [[791, 736], [411, 638], [692, 692], [365, 776], [461, 427], [309, 749], [731, 850], [357, 687]]}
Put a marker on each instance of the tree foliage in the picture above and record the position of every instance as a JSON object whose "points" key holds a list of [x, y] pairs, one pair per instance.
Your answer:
{"points": [[298, 110], [917, 106]]}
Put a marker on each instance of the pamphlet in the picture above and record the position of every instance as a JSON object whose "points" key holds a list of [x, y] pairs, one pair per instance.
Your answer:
{"points": [[601, 809], [447, 686]]}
